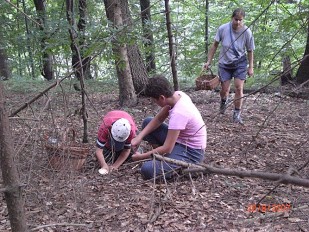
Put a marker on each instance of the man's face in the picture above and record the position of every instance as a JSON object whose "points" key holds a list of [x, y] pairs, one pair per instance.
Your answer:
{"points": [[237, 22]]}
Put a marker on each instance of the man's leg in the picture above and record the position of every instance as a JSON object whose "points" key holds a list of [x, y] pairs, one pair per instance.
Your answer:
{"points": [[239, 86], [224, 93]]}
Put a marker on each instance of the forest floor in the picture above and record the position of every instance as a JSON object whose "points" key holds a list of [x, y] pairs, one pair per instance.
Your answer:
{"points": [[273, 139]]}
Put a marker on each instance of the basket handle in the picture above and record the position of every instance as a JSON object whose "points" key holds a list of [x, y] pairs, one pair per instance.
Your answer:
{"points": [[66, 134], [205, 71]]}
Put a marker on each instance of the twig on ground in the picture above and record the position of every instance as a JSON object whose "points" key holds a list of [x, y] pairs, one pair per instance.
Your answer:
{"points": [[58, 224]]}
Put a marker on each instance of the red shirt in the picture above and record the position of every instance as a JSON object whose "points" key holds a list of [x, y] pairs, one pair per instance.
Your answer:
{"points": [[104, 131]]}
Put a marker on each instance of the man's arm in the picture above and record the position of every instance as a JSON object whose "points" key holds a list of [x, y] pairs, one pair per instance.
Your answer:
{"points": [[250, 59], [211, 54]]}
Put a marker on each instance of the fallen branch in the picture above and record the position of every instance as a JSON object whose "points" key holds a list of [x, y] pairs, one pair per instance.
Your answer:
{"points": [[36, 98], [280, 178], [58, 224]]}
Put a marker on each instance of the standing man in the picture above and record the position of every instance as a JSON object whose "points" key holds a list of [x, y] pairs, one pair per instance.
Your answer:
{"points": [[114, 140], [236, 39]]}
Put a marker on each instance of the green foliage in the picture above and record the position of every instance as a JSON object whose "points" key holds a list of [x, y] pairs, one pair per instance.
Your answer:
{"points": [[280, 31], [21, 85]]}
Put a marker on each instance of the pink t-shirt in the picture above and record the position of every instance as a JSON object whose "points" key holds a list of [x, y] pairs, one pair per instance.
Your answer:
{"points": [[184, 116], [105, 128]]}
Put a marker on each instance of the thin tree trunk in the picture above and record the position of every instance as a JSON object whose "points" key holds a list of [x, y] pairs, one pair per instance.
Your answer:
{"points": [[80, 63], [171, 45], [29, 43], [73, 36], [137, 66], [19, 46], [127, 96], [148, 35], [303, 70], [47, 58], [12, 187], [287, 71], [76, 63], [206, 27], [5, 72], [82, 38]]}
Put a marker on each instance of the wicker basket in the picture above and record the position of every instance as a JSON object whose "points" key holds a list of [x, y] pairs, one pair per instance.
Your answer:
{"points": [[66, 155], [207, 81]]}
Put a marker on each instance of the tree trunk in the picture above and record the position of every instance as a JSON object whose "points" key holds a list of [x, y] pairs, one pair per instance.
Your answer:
{"points": [[47, 69], [12, 187], [171, 45], [137, 66], [149, 44], [5, 72], [303, 70], [76, 63], [286, 76], [206, 26], [82, 40], [80, 64], [31, 71], [127, 96]]}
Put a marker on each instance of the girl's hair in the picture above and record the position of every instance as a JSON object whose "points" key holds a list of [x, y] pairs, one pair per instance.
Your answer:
{"points": [[238, 11]]}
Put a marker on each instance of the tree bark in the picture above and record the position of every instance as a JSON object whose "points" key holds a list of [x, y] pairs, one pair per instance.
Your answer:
{"points": [[286, 76], [171, 45], [29, 49], [148, 35], [127, 96], [5, 72], [206, 26], [303, 70], [80, 64], [12, 187], [47, 69], [137, 66], [77, 61], [82, 40]]}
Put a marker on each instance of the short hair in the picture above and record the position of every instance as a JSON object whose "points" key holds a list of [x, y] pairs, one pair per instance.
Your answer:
{"points": [[158, 85], [238, 11]]}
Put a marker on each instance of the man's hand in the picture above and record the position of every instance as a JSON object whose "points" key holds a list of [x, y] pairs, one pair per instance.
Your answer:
{"points": [[250, 72], [206, 66]]}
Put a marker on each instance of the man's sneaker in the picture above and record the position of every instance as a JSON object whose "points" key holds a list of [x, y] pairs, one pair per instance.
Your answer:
{"points": [[223, 106], [237, 118]]}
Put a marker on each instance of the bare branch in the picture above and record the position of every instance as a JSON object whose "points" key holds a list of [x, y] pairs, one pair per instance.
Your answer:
{"points": [[58, 224], [280, 178]]}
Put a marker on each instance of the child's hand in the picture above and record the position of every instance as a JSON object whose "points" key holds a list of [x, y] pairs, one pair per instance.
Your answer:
{"points": [[136, 156], [112, 168]]}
